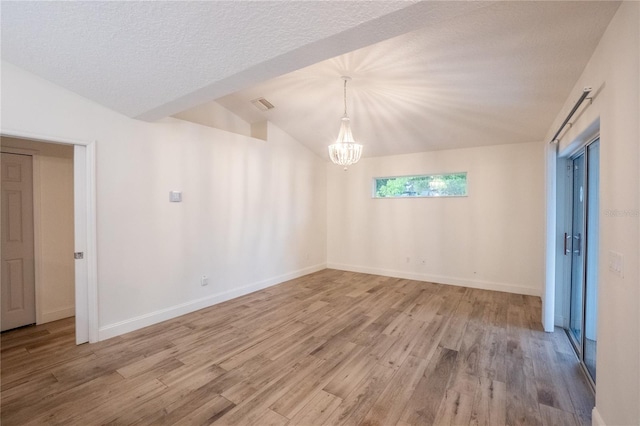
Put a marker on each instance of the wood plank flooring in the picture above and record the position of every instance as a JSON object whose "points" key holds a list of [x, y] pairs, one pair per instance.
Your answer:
{"points": [[329, 348]]}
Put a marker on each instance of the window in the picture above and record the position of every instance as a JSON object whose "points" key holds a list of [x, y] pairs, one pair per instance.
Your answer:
{"points": [[445, 185]]}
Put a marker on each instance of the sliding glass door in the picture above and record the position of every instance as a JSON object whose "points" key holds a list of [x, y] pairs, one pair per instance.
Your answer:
{"points": [[581, 244]]}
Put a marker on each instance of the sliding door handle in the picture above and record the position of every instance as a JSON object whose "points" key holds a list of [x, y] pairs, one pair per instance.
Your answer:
{"points": [[578, 243], [567, 237]]}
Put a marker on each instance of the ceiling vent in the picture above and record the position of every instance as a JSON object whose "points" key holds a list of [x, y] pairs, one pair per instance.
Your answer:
{"points": [[262, 104]]}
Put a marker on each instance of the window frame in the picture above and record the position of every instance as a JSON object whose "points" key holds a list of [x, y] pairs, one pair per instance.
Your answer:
{"points": [[375, 179]]}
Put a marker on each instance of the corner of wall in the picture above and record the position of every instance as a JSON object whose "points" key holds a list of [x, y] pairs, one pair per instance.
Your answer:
{"points": [[58, 314], [439, 279], [212, 114], [260, 130], [151, 318], [596, 418]]}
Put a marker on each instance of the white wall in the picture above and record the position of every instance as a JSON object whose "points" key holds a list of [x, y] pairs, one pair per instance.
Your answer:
{"points": [[253, 211], [213, 114], [492, 239], [53, 222], [614, 73]]}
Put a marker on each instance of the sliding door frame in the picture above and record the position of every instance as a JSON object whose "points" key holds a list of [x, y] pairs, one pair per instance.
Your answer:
{"points": [[579, 347]]}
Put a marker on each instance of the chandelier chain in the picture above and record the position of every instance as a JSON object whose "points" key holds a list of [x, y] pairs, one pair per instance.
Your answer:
{"points": [[345, 97]]}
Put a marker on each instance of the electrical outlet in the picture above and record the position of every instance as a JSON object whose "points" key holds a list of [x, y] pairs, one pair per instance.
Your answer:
{"points": [[204, 280]]}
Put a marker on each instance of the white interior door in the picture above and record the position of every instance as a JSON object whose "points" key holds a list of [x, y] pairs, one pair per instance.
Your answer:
{"points": [[81, 266], [18, 265]]}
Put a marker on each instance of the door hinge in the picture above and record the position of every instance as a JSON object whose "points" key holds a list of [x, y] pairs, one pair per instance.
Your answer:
{"points": [[78, 255]]}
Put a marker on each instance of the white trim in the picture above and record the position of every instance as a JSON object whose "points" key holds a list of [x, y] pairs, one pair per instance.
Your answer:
{"points": [[596, 418], [90, 304], [151, 318], [549, 290], [80, 266], [13, 133], [92, 243], [440, 279], [58, 314], [37, 237]]}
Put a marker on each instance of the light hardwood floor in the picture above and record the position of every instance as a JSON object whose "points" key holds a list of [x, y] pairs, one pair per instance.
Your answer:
{"points": [[330, 348]]}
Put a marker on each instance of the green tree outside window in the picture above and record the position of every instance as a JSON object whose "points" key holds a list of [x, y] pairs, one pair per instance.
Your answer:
{"points": [[445, 185]]}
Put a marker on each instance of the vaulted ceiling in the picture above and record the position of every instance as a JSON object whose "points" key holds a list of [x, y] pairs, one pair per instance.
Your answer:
{"points": [[426, 75]]}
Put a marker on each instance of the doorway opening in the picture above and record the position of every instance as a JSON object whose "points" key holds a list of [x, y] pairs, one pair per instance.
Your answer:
{"points": [[581, 241], [38, 282], [60, 266]]}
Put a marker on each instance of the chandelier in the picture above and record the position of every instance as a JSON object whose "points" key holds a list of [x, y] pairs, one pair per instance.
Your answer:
{"points": [[345, 151]]}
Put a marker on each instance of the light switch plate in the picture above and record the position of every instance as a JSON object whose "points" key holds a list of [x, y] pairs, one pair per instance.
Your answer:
{"points": [[616, 263], [175, 196]]}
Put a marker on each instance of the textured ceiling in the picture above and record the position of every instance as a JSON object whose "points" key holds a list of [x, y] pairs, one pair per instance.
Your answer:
{"points": [[427, 75], [495, 75], [151, 59]]}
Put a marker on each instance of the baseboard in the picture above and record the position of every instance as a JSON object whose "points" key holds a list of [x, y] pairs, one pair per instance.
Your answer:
{"points": [[596, 418], [559, 321], [484, 285], [57, 315], [155, 317]]}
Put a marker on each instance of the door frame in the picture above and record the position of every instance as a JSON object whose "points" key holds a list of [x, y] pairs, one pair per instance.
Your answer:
{"points": [[567, 209], [569, 226], [555, 264], [84, 182]]}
